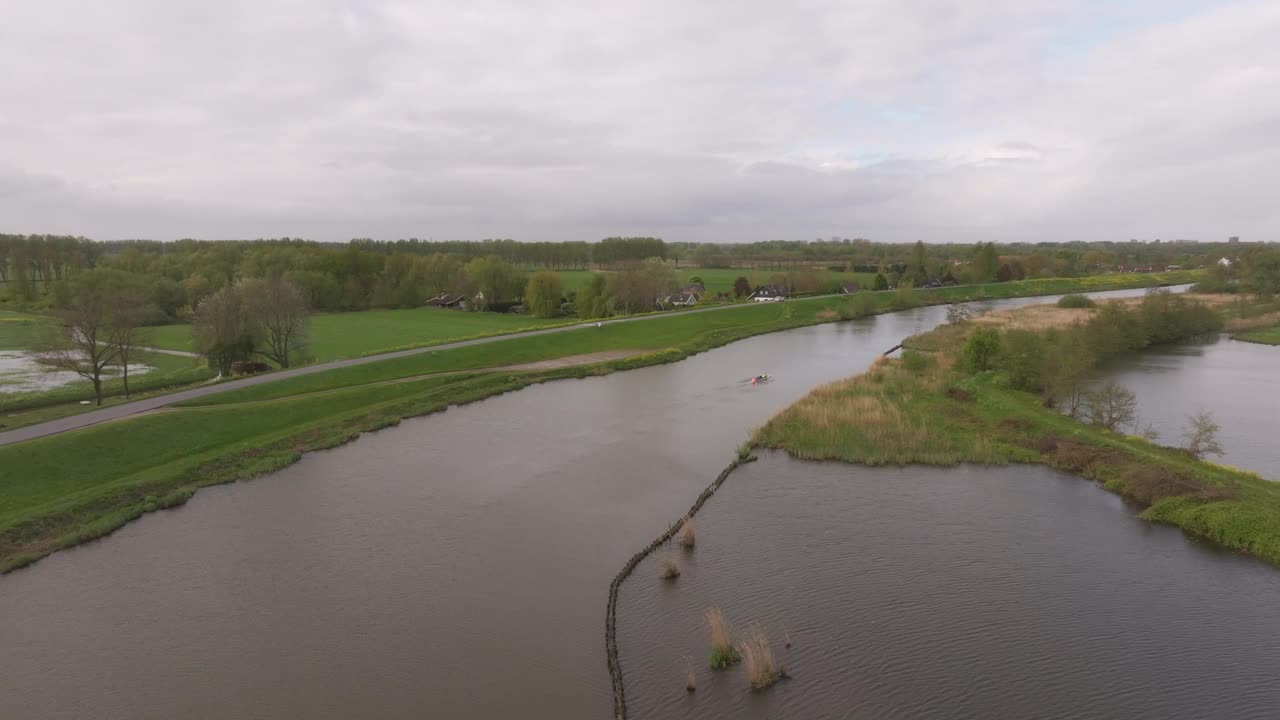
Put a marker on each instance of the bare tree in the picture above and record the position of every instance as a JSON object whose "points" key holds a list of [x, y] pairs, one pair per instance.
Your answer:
{"points": [[82, 342], [125, 314], [1112, 406], [281, 313], [1201, 435]]}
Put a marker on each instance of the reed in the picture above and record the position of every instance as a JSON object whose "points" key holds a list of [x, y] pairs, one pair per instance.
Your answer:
{"points": [[757, 656], [688, 538], [690, 677], [670, 569], [723, 654]]}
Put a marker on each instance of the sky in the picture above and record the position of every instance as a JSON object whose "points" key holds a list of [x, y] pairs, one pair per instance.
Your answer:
{"points": [[708, 121]]}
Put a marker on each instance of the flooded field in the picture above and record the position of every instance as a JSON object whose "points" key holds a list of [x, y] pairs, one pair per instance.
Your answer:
{"points": [[21, 371]]}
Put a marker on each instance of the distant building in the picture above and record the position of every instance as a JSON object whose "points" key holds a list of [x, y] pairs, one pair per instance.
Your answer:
{"points": [[769, 293], [448, 301], [1233, 239]]}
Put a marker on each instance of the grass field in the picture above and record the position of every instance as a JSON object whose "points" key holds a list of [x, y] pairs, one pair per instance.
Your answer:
{"points": [[335, 336], [51, 497], [20, 331]]}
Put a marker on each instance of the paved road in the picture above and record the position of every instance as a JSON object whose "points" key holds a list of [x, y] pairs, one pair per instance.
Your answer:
{"points": [[116, 412]]}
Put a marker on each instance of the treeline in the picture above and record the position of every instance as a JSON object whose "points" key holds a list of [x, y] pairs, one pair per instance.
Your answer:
{"points": [[366, 273]]}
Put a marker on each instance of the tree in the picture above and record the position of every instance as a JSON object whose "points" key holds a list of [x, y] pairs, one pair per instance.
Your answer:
{"points": [[1004, 274], [1201, 435], [920, 274], [640, 285], [696, 280], [1022, 359], [494, 279], [741, 287], [881, 283], [1064, 366], [127, 315], [82, 343], [1112, 406], [592, 300], [543, 294], [221, 330], [985, 262], [278, 313], [981, 349]]}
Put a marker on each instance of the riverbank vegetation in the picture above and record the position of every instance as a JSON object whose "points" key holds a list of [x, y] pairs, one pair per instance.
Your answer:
{"points": [[1019, 400], [51, 498]]}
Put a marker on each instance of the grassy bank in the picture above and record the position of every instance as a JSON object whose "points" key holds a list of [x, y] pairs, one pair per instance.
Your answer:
{"points": [[1266, 336], [926, 409], [335, 336], [68, 488]]}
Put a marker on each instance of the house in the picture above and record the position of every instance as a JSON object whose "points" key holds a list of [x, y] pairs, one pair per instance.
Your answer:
{"points": [[449, 301], [685, 298], [769, 293], [850, 288], [690, 295]]}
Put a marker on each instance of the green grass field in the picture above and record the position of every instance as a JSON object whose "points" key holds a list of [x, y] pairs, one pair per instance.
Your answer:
{"points": [[335, 336], [1268, 336], [51, 497], [20, 331]]}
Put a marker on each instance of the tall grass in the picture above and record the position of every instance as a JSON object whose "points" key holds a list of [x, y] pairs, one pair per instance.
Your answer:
{"points": [[723, 654], [757, 657], [670, 569], [688, 538], [690, 677]]}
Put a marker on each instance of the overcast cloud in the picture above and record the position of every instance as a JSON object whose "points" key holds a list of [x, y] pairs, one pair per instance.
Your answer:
{"points": [[708, 121]]}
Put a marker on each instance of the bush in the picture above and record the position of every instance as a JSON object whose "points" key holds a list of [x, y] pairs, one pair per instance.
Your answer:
{"points": [[915, 361], [981, 349], [1075, 301]]}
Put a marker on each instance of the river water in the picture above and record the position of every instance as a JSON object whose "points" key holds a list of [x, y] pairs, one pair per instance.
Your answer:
{"points": [[1238, 382], [454, 566], [970, 592]]}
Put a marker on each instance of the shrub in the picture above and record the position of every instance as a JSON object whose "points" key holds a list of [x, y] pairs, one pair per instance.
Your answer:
{"points": [[981, 349], [915, 361], [1075, 301]]}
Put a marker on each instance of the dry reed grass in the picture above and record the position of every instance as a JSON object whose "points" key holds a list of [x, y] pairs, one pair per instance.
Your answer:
{"points": [[690, 677], [670, 569], [688, 537], [1259, 322], [723, 653], [757, 657]]}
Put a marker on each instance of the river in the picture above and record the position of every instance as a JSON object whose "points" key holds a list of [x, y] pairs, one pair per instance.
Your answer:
{"points": [[454, 566], [1235, 380]]}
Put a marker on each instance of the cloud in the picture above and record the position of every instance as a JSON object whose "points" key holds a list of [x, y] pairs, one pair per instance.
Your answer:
{"points": [[713, 121]]}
